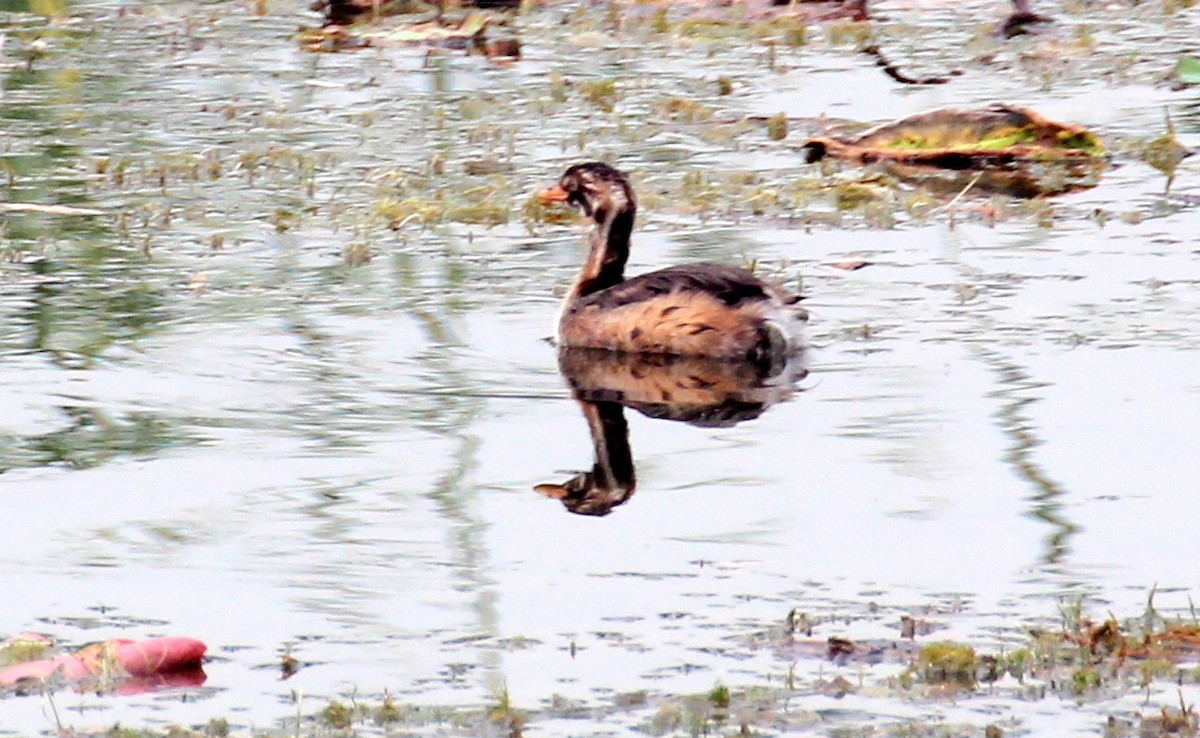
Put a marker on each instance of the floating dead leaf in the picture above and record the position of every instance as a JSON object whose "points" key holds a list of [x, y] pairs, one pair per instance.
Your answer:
{"points": [[466, 32], [330, 39], [1020, 151], [501, 48], [839, 648], [838, 688]]}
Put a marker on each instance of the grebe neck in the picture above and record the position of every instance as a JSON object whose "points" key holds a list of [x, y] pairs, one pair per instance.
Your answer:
{"points": [[609, 248]]}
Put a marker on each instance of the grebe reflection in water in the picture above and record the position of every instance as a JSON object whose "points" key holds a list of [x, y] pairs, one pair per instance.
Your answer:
{"points": [[694, 390]]}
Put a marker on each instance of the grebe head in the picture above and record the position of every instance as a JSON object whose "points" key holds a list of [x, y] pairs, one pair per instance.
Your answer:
{"points": [[599, 190]]}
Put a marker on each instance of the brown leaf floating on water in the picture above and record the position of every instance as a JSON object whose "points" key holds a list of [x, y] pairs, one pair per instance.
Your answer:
{"points": [[468, 32], [996, 136], [1022, 152]]}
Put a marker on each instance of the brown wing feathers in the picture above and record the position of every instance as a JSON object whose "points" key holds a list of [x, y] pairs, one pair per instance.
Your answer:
{"points": [[729, 285], [691, 310]]}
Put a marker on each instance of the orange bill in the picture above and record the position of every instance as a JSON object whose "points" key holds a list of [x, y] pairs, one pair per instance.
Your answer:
{"points": [[552, 194]]}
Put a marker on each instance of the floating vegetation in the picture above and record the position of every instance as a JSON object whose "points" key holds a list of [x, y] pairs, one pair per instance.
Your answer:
{"points": [[488, 205], [777, 127], [132, 666], [187, 200], [790, 30], [472, 31], [336, 715], [1164, 152], [990, 137], [1187, 70], [1017, 148], [599, 92], [684, 110], [946, 661], [24, 647], [719, 697]]}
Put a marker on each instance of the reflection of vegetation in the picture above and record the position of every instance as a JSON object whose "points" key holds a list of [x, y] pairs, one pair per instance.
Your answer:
{"points": [[90, 439], [87, 308], [947, 661], [1048, 494]]}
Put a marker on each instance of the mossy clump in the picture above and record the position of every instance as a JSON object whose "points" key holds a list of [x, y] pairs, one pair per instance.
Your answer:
{"points": [[710, 28], [600, 92], [1164, 153], [790, 30], [1017, 662], [217, 728], [684, 110], [850, 195], [777, 127], [484, 213], [388, 713], [336, 715], [660, 21], [505, 714], [1081, 140], [947, 661], [399, 212], [719, 696], [1084, 680], [558, 87], [356, 253]]}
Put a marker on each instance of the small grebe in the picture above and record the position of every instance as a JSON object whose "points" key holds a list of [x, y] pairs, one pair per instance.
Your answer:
{"points": [[701, 309]]}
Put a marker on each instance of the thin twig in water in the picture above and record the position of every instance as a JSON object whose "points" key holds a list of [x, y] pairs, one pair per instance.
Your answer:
{"points": [[53, 708], [406, 220], [894, 72], [964, 191]]}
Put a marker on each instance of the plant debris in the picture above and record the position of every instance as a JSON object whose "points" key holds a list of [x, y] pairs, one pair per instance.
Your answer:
{"points": [[468, 32], [895, 73], [1187, 70], [1000, 139]]}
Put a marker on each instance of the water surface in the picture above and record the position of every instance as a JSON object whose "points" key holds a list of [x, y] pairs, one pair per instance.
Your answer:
{"points": [[215, 423]]}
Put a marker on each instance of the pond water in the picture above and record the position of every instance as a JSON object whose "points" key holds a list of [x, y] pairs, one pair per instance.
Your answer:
{"points": [[219, 419]]}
